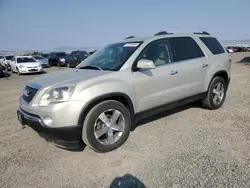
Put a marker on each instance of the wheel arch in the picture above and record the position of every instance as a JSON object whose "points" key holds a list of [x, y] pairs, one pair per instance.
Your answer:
{"points": [[120, 97], [223, 74]]}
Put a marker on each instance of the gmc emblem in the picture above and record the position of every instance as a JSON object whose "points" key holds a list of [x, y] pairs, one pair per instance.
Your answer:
{"points": [[26, 93]]}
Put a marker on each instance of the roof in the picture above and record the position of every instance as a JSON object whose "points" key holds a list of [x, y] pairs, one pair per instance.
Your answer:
{"points": [[163, 34]]}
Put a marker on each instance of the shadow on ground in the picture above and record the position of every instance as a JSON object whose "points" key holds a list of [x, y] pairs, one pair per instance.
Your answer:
{"points": [[127, 181], [165, 114]]}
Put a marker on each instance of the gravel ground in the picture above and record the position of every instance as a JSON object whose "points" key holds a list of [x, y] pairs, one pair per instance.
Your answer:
{"points": [[185, 147]]}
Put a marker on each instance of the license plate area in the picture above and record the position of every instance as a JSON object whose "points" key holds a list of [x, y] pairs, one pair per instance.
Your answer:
{"points": [[32, 70]]}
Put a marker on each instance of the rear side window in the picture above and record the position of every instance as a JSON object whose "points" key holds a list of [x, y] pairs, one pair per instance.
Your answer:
{"points": [[185, 48], [213, 45]]}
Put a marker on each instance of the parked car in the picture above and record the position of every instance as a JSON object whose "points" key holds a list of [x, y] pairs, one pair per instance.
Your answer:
{"points": [[44, 62], [100, 100], [5, 61], [25, 64], [57, 58], [75, 58], [229, 49], [2, 75]]}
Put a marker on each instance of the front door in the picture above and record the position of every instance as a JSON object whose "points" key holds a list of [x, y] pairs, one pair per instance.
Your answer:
{"points": [[155, 87]]}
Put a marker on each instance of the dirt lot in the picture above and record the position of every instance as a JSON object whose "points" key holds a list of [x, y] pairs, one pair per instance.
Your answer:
{"points": [[185, 147]]}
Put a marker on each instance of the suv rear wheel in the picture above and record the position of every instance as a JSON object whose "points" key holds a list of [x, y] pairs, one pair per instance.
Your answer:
{"points": [[106, 126], [216, 94]]}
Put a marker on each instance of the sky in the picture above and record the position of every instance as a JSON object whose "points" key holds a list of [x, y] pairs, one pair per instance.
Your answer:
{"points": [[48, 24]]}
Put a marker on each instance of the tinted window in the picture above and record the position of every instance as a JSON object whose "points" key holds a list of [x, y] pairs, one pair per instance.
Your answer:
{"points": [[61, 54], [45, 55], [25, 59], [159, 52], [213, 45], [9, 57], [185, 48], [38, 57]]}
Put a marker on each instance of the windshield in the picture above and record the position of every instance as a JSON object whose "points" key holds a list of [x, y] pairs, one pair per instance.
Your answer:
{"points": [[111, 57], [9, 57], [45, 55], [38, 57], [61, 54], [25, 60]]}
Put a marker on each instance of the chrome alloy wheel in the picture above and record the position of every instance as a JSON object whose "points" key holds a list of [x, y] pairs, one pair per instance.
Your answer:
{"points": [[218, 93], [109, 127]]}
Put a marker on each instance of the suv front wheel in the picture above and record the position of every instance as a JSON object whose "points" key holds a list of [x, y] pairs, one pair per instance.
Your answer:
{"points": [[216, 94], [106, 126]]}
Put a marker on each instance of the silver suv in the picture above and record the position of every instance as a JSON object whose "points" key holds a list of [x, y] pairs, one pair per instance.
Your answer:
{"points": [[100, 100]]}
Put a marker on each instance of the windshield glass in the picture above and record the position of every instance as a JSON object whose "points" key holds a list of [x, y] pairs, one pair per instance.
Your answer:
{"points": [[111, 57], [9, 57], [45, 55], [61, 54], [38, 57], [25, 60]]}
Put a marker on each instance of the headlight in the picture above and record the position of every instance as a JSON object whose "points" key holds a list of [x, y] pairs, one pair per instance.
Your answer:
{"points": [[21, 66], [55, 95], [62, 59]]}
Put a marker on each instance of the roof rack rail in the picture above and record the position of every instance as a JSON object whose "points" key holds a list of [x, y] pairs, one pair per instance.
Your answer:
{"points": [[162, 33], [130, 37], [203, 33]]}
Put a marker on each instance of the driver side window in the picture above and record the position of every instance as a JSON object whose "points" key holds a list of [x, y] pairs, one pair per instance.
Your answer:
{"points": [[159, 52]]}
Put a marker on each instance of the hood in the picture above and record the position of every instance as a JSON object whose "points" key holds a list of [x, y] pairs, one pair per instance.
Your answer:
{"points": [[69, 76], [43, 61], [31, 64]]}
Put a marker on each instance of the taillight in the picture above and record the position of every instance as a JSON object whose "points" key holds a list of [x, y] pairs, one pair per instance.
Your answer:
{"points": [[230, 60]]}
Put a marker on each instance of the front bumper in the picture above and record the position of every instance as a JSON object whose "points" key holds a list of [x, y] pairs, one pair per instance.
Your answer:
{"points": [[68, 137], [45, 65], [30, 70]]}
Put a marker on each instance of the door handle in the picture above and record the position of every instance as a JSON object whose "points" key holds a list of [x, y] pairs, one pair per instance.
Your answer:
{"points": [[173, 72], [204, 65]]}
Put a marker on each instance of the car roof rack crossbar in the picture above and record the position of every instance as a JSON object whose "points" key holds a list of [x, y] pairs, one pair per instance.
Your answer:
{"points": [[162, 33], [203, 33], [130, 37]]}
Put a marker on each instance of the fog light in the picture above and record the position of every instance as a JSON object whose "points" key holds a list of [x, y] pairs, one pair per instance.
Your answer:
{"points": [[47, 120]]}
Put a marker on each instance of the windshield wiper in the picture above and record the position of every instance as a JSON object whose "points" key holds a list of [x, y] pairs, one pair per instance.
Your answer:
{"points": [[91, 67]]}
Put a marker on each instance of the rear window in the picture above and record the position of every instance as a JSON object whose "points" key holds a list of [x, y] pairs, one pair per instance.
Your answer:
{"points": [[185, 48], [9, 57], [213, 45]]}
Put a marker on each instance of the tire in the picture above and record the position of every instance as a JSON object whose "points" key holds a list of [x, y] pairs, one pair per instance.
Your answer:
{"points": [[92, 119], [18, 72], [209, 102]]}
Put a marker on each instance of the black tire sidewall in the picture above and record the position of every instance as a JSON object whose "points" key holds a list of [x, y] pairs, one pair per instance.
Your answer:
{"points": [[213, 83], [90, 121]]}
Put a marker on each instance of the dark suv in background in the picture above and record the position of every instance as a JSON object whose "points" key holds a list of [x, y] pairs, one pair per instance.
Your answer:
{"points": [[57, 59], [76, 57]]}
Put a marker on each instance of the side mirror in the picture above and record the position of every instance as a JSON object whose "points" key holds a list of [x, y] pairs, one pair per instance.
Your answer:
{"points": [[145, 64]]}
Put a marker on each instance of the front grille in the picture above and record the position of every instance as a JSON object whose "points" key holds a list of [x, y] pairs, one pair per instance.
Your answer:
{"points": [[29, 93]]}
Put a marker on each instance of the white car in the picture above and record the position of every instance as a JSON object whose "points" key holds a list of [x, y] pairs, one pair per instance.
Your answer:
{"points": [[5, 61], [25, 64]]}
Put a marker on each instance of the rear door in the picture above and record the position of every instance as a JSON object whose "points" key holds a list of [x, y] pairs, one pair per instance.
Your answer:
{"points": [[191, 63]]}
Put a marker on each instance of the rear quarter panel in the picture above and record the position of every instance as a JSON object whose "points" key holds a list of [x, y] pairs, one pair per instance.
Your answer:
{"points": [[217, 63]]}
